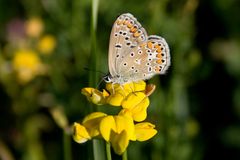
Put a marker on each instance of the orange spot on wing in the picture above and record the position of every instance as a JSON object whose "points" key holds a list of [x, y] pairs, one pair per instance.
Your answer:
{"points": [[159, 61], [150, 45], [133, 29], [125, 22], [129, 25], [159, 50], [157, 69], [157, 46], [119, 22], [159, 55], [142, 45], [136, 34]]}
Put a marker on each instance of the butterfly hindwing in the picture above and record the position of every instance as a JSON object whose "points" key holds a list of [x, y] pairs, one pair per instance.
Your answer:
{"points": [[146, 60]]}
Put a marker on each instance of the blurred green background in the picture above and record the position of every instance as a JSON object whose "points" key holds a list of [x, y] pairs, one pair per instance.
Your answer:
{"points": [[46, 44]]}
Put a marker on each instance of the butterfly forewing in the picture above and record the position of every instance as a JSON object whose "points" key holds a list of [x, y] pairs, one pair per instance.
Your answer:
{"points": [[126, 34]]}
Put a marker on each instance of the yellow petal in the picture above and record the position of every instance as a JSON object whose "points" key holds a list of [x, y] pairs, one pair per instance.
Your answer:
{"points": [[120, 142], [120, 89], [125, 123], [107, 125], [133, 99], [137, 103], [92, 121], [139, 86], [139, 112], [105, 93], [94, 95], [145, 131], [80, 134], [115, 99], [125, 112], [87, 91]]}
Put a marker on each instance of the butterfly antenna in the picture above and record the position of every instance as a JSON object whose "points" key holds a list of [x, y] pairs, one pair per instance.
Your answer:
{"points": [[92, 70], [99, 83]]}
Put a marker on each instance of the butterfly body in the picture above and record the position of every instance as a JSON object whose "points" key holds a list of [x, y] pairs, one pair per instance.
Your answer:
{"points": [[133, 55]]}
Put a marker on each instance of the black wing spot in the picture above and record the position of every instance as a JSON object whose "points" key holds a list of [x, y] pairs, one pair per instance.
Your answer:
{"points": [[118, 46]]}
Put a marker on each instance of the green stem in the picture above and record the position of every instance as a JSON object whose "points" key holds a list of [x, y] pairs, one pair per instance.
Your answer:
{"points": [[98, 146], [108, 151], [124, 156], [93, 57], [98, 149], [67, 146]]}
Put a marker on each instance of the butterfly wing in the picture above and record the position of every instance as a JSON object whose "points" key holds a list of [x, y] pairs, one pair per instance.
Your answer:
{"points": [[126, 34], [149, 58]]}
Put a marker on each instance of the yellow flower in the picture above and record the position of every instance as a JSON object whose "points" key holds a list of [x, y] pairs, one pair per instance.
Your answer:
{"points": [[34, 27], [89, 127], [117, 130], [92, 122], [95, 96], [144, 131], [27, 64], [133, 97], [46, 44], [137, 103], [119, 92], [80, 134]]}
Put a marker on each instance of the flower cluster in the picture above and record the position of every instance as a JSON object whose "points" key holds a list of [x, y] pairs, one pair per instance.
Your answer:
{"points": [[127, 125], [27, 42]]}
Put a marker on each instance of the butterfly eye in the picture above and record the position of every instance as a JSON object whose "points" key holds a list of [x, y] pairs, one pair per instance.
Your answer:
{"points": [[107, 78]]}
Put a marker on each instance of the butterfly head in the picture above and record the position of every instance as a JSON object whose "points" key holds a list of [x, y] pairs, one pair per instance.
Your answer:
{"points": [[116, 79], [107, 78]]}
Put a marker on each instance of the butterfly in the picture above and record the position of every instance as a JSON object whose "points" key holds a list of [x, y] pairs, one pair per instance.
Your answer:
{"points": [[133, 55]]}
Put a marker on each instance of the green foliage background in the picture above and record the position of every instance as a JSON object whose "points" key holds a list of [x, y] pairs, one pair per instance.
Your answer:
{"points": [[196, 106]]}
